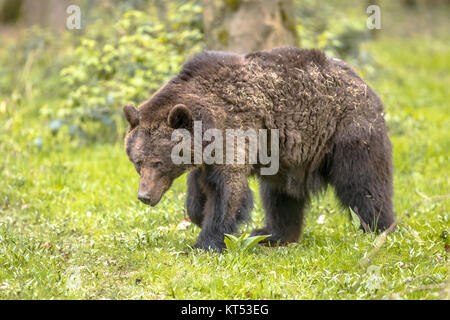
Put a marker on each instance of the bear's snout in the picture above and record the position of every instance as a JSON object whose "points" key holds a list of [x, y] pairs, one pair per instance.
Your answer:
{"points": [[151, 198], [151, 187], [147, 199], [144, 197]]}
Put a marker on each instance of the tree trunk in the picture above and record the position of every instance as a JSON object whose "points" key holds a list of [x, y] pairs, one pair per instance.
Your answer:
{"points": [[10, 11], [243, 26], [46, 13]]}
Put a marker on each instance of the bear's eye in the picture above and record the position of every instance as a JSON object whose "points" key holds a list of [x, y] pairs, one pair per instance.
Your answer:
{"points": [[139, 163]]}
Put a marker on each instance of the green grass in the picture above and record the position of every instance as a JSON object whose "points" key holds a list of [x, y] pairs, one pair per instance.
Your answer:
{"points": [[71, 226]]}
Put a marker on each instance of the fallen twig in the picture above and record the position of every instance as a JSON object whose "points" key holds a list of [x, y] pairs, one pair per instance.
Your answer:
{"points": [[383, 236], [381, 239]]}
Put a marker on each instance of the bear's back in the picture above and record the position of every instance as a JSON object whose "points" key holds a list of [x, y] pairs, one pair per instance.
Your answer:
{"points": [[289, 57]]}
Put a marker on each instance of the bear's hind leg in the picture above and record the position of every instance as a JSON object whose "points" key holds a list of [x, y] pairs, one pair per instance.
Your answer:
{"points": [[361, 173], [284, 215]]}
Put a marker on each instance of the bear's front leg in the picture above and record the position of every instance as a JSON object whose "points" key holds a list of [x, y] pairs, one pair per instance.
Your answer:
{"points": [[228, 202], [196, 198]]}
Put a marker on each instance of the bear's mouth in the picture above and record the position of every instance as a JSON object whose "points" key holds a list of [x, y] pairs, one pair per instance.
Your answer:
{"points": [[149, 201], [154, 203]]}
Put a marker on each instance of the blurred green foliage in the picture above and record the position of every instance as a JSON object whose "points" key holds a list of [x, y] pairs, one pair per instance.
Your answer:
{"points": [[126, 62], [336, 27], [125, 51]]}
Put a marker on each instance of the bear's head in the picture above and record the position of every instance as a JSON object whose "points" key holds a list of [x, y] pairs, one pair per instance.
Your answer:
{"points": [[149, 148]]}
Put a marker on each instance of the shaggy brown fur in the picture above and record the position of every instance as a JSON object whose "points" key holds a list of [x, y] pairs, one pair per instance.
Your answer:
{"points": [[331, 131]]}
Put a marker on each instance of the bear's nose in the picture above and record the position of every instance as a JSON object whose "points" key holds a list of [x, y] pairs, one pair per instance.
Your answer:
{"points": [[144, 197]]}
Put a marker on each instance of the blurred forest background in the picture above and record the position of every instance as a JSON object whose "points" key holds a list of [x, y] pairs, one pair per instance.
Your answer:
{"points": [[125, 50], [70, 224]]}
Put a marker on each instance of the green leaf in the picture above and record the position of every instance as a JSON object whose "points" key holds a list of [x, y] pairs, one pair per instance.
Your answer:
{"points": [[243, 243], [231, 241], [250, 242], [355, 219]]}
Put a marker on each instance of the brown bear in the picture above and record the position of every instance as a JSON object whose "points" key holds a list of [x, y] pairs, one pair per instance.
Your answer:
{"points": [[330, 128]]}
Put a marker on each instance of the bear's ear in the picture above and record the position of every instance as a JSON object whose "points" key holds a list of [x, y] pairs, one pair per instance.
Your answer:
{"points": [[180, 117], [132, 115]]}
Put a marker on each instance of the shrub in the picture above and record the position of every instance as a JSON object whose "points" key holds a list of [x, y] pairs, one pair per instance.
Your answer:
{"points": [[125, 63]]}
